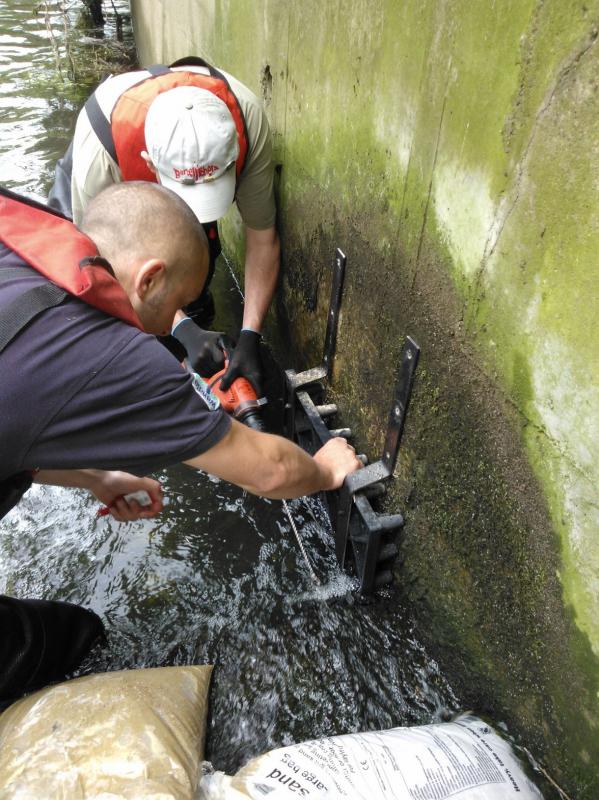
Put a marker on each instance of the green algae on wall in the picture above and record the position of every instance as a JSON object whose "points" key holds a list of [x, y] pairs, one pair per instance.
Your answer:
{"points": [[451, 148]]}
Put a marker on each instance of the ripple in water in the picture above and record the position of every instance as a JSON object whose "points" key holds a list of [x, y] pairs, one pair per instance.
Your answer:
{"points": [[38, 108]]}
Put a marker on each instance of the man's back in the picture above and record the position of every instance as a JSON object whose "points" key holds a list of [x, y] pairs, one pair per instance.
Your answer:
{"points": [[81, 389]]}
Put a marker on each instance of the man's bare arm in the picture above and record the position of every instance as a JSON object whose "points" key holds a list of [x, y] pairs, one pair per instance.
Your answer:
{"points": [[262, 256], [274, 467]]}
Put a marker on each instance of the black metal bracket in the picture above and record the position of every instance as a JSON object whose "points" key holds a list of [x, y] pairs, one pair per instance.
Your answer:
{"points": [[295, 381], [361, 535]]}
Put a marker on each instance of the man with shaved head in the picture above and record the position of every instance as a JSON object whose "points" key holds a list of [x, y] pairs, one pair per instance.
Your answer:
{"points": [[89, 398], [160, 229]]}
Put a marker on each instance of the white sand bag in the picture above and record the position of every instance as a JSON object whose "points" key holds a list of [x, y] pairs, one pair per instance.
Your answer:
{"points": [[133, 734], [464, 759]]}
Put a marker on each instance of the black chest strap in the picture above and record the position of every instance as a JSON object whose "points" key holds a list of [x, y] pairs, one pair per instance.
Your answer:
{"points": [[13, 318], [19, 313], [24, 308], [100, 125]]}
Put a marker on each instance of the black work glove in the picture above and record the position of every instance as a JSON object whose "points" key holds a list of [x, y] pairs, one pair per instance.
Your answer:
{"points": [[205, 349], [246, 362]]}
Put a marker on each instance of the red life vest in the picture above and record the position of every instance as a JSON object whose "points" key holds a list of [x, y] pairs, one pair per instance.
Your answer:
{"points": [[129, 116], [55, 248]]}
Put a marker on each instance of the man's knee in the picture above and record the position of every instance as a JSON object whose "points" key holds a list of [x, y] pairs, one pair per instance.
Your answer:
{"points": [[42, 641]]}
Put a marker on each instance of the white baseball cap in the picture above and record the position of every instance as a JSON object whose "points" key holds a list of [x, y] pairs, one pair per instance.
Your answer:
{"points": [[192, 141]]}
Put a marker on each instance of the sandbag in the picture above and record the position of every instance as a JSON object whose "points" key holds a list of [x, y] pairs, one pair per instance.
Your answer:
{"points": [[131, 734], [464, 758]]}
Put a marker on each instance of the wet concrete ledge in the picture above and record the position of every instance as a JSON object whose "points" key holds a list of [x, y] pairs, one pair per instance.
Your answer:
{"points": [[452, 150]]}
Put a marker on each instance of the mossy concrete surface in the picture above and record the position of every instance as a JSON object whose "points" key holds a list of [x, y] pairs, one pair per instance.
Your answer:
{"points": [[451, 148]]}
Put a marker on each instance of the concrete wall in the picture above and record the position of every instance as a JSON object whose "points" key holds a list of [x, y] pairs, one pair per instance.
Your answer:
{"points": [[451, 147]]}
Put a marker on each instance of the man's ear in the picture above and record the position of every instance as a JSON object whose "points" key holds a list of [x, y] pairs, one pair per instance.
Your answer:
{"points": [[149, 164], [149, 276]]}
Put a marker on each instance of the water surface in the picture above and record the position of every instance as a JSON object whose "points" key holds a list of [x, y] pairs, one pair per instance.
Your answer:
{"points": [[219, 579], [38, 103]]}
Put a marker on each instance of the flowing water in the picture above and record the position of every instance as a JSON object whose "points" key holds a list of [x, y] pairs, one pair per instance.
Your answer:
{"points": [[218, 578], [38, 98]]}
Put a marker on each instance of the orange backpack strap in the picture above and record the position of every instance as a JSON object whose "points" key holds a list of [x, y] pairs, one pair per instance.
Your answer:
{"points": [[99, 121]]}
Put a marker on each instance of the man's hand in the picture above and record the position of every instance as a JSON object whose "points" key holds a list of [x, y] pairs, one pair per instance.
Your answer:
{"points": [[111, 487], [245, 362], [205, 349], [339, 458]]}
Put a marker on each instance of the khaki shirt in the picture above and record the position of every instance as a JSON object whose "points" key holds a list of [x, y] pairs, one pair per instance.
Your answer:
{"points": [[94, 169]]}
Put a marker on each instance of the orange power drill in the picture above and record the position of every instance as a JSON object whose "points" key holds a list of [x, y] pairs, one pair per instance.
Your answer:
{"points": [[239, 400]]}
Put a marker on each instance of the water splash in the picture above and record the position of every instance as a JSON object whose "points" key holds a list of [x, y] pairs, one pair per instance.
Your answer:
{"points": [[218, 578]]}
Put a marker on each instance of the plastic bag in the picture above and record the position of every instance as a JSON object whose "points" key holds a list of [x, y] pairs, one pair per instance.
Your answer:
{"points": [[132, 734], [464, 758]]}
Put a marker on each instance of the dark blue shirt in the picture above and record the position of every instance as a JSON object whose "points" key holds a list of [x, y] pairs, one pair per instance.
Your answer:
{"points": [[80, 389]]}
